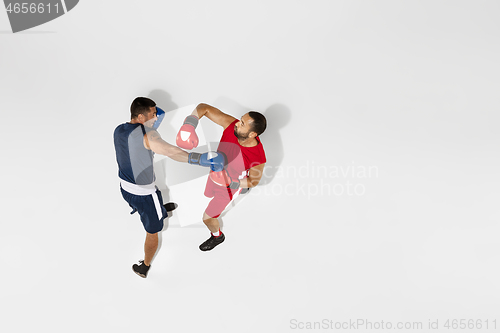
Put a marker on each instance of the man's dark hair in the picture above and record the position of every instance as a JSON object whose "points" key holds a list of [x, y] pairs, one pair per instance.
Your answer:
{"points": [[259, 123], [141, 105]]}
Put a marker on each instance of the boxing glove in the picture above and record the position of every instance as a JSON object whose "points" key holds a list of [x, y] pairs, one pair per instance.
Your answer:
{"points": [[187, 138], [216, 161], [222, 178], [160, 114]]}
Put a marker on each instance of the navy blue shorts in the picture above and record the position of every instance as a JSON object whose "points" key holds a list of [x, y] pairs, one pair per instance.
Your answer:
{"points": [[150, 208]]}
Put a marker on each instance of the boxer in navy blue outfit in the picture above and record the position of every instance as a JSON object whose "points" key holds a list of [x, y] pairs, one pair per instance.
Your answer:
{"points": [[135, 145]]}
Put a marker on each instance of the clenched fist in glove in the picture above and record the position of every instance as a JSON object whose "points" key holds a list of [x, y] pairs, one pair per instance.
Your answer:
{"points": [[187, 138]]}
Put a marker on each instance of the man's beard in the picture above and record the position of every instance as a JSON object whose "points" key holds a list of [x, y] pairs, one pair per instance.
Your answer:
{"points": [[239, 136]]}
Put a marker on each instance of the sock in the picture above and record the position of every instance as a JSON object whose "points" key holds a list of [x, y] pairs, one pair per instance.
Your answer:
{"points": [[216, 234]]}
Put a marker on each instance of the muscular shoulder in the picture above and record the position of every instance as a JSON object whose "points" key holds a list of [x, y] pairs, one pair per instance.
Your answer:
{"points": [[151, 136], [228, 133]]}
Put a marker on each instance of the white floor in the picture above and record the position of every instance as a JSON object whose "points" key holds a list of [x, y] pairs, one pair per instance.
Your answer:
{"points": [[379, 204]]}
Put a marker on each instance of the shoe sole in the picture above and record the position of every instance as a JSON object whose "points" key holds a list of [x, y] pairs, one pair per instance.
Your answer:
{"points": [[141, 275]]}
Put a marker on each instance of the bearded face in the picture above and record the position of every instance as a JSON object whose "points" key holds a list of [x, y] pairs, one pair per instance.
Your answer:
{"points": [[243, 128], [240, 135]]}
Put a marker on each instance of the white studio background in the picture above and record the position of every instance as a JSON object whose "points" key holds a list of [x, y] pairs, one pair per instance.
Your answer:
{"points": [[396, 101]]}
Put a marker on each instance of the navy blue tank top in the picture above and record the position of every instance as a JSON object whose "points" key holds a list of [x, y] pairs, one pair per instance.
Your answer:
{"points": [[135, 162]]}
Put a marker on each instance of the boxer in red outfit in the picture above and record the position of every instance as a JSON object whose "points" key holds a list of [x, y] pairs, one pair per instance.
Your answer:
{"points": [[245, 161]]}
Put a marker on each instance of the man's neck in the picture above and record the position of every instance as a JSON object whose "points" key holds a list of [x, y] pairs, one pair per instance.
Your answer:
{"points": [[250, 142]]}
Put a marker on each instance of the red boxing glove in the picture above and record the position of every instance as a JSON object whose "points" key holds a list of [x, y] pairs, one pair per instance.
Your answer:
{"points": [[221, 178], [187, 138]]}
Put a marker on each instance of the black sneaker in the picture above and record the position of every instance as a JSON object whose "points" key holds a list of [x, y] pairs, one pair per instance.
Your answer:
{"points": [[142, 269], [170, 206], [212, 242]]}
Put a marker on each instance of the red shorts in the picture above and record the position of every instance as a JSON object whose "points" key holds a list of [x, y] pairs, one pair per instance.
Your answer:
{"points": [[221, 197]]}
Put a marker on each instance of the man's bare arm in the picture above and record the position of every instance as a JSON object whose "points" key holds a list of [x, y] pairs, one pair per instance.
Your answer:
{"points": [[254, 176], [214, 114], [154, 142]]}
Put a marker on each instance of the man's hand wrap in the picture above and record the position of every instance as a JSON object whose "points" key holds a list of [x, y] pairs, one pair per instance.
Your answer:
{"points": [[216, 161]]}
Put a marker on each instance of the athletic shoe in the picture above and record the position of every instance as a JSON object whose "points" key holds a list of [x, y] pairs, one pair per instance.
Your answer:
{"points": [[170, 206], [212, 242], [142, 269]]}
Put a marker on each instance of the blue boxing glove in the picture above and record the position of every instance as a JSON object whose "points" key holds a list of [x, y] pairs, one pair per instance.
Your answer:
{"points": [[215, 160], [160, 114]]}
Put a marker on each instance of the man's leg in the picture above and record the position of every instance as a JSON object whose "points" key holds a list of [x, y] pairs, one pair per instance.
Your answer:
{"points": [[216, 206], [149, 209], [216, 237], [211, 223], [150, 247]]}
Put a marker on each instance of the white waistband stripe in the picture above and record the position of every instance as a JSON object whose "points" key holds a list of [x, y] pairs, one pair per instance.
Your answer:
{"points": [[138, 189]]}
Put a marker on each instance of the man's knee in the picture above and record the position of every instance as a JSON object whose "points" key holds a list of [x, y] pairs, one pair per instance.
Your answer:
{"points": [[207, 218], [151, 235]]}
